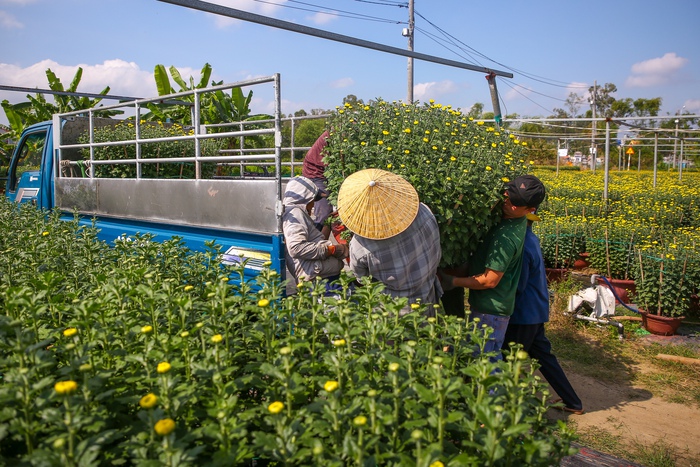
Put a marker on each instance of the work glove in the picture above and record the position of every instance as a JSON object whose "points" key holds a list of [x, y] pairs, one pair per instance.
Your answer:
{"points": [[341, 251], [446, 281]]}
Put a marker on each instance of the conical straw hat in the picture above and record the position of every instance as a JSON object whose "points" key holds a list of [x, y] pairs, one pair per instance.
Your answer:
{"points": [[377, 204]]}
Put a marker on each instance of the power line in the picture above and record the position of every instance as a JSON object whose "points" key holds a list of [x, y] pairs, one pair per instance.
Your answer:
{"points": [[289, 26], [526, 97], [334, 12], [528, 75], [385, 3]]}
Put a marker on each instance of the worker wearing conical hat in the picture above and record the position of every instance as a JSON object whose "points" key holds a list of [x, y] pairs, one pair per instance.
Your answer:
{"points": [[396, 237]]}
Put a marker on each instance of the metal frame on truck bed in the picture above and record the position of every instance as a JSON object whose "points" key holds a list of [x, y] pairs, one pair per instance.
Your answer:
{"points": [[127, 185]]}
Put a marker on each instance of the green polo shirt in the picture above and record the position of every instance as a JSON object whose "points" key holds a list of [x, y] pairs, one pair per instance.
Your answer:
{"points": [[501, 250]]}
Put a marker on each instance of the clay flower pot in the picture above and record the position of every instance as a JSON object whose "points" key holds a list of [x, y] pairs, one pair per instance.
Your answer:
{"points": [[623, 288], [556, 274], [582, 262], [660, 325]]}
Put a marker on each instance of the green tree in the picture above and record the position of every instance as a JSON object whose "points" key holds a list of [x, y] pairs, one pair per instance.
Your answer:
{"points": [[572, 106], [38, 109], [352, 100], [603, 99], [476, 110], [180, 112]]}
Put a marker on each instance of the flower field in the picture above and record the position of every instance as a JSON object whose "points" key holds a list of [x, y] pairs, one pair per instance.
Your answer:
{"points": [[650, 235], [146, 353]]}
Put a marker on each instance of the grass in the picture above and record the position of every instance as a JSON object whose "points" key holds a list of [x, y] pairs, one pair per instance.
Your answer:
{"points": [[596, 351], [658, 454]]}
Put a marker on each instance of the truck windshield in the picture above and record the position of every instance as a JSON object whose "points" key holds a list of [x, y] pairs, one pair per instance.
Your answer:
{"points": [[29, 157]]}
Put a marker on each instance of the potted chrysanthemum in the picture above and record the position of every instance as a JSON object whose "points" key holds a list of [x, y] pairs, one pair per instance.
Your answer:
{"points": [[667, 276]]}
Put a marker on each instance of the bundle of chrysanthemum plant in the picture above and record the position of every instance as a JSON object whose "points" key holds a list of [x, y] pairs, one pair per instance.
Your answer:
{"points": [[458, 165]]}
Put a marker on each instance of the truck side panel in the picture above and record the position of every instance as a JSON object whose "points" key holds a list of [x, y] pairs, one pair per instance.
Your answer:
{"points": [[240, 205]]}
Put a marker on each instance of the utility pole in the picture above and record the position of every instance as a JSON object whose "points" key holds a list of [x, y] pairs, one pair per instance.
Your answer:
{"points": [[675, 144], [675, 141], [593, 125], [409, 32]]}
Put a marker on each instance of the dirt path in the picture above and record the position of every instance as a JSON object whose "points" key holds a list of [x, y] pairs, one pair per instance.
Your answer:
{"points": [[635, 415]]}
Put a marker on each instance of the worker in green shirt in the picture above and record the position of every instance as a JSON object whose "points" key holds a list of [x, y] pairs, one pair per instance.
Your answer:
{"points": [[494, 269]]}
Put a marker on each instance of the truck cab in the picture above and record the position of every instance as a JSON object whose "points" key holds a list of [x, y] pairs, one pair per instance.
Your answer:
{"points": [[25, 183]]}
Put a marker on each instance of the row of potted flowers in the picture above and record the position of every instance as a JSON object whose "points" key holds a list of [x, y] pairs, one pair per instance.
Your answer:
{"points": [[648, 238]]}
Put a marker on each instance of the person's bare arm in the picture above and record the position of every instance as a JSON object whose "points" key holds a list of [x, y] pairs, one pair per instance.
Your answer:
{"points": [[486, 280]]}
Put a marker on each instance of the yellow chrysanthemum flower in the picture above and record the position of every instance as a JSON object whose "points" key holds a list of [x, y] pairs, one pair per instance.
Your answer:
{"points": [[360, 420], [163, 367], [148, 401], [276, 407], [262, 303], [65, 387], [165, 426], [70, 332], [331, 386]]}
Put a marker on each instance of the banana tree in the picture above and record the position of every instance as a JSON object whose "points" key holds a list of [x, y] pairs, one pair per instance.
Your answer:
{"points": [[38, 109], [181, 112], [216, 107]]}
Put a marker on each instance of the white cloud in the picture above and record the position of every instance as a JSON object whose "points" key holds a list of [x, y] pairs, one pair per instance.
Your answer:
{"points": [[578, 88], [123, 78], [323, 17], [692, 106], [16, 2], [267, 8], [7, 21], [515, 93], [433, 90], [655, 71], [342, 83]]}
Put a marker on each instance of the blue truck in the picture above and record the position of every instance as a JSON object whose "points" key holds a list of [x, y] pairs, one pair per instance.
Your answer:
{"points": [[185, 182]]}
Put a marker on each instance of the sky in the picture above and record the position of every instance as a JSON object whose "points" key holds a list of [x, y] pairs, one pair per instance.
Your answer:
{"points": [[646, 48]]}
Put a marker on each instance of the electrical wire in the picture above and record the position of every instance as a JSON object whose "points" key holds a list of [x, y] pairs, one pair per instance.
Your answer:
{"points": [[385, 3], [541, 79], [324, 10], [526, 97]]}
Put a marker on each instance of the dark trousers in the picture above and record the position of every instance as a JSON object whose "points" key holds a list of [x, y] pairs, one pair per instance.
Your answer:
{"points": [[536, 344], [453, 302]]}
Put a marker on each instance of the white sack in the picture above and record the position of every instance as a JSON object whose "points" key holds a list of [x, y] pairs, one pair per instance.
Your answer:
{"points": [[600, 299]]}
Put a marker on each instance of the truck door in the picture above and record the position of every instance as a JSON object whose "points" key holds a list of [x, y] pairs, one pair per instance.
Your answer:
{"points": [[24, 178]]}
